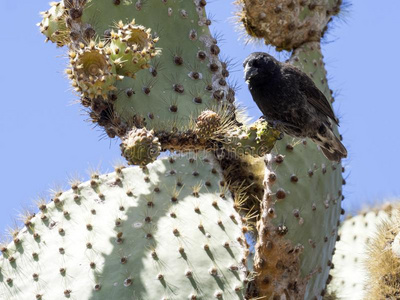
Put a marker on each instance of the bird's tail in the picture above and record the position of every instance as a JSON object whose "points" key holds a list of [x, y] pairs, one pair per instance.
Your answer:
{"points": [[331, 146]]}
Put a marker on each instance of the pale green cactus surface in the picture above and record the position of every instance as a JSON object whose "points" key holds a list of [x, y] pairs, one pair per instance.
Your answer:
{"points": [[350, 274], [185, 78], [304, 190], [302, 201], [168, 231], [153, 65]]}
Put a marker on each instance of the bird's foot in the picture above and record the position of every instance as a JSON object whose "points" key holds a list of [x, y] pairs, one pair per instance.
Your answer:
{"points": [[263, 119], [271, 123], [276, 125]]}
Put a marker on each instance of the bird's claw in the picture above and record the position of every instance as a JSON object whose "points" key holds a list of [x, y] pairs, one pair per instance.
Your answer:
{"points": [[262, 119], [271, 124]]}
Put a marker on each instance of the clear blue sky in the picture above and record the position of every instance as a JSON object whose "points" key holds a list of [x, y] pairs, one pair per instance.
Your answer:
{"points": [[44, 139]]}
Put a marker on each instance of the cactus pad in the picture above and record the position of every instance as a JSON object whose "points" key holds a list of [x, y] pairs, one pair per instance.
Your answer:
{"points": [[287, 24], [360, 252], [160, 71], [53, 25], [301, 208], [167, 231]]}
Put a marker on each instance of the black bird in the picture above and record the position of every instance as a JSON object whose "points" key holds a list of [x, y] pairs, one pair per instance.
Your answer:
{"points": [[289, 100]]}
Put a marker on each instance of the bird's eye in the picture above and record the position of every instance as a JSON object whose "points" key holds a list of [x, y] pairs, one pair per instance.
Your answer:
{"points": [[255, 64]]}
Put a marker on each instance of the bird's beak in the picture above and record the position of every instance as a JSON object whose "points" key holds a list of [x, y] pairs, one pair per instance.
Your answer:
{"points": [[250, 72]]}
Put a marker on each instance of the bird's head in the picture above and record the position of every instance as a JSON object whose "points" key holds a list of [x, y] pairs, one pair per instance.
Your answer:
{"points": [[260, 65]]}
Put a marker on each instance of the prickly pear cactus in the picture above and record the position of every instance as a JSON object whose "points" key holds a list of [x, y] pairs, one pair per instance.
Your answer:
{"points": [[167, 231], [183, 78], [151, 65], [363, 255], [301, 205], [149, 73], [53, 25], [140, 146]]}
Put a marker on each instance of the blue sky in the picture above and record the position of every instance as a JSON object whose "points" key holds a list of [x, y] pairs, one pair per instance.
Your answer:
{"points": [[45, 140]]}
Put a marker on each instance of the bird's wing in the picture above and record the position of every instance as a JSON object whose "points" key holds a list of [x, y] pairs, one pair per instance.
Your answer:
{"points": [[314, 96]]}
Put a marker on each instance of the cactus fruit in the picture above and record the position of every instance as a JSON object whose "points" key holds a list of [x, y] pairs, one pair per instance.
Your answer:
{"points": [[207, 123], [132, 48], [256, 140], [140, 147], [287, 24], [166, 231], [92, 71], [363, 255]]}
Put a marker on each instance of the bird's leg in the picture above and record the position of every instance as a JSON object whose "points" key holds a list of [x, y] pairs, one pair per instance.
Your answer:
{"points": [[274, 124]]}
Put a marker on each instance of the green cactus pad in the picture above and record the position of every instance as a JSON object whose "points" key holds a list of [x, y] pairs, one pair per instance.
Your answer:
{"points": [[350, 275], [160, 71], [301, 210], [53, 25], [183, 80], [256, 139], [168, 231], [287, 24]]}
